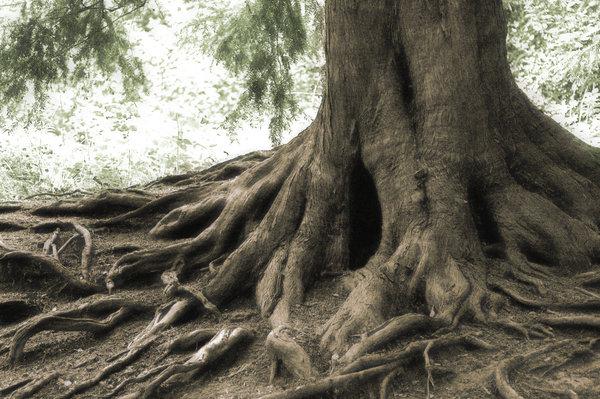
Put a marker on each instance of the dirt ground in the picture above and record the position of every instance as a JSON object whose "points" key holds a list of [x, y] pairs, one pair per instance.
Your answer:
{"points": [[244, 372]]}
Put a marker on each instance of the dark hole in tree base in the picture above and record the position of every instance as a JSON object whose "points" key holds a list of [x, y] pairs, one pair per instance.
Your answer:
{"points": [[537, 255], [487, 229], [365, 217]]}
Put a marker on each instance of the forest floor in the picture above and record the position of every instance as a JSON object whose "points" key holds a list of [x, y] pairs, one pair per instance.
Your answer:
{"points": [[244, 373]]}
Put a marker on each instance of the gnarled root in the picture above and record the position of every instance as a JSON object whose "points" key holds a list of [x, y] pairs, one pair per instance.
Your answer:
{"points": [[391, 330], [31, 388], [504, 368], [586, 321], [7, 390], [74, 320], [221, 343], [164, 318], [119, 364], [371, 366], [186, 342], [107, 202], [284, 350]]}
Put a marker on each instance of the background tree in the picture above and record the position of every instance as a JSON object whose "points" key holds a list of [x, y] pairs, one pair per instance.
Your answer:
{"points": [[426, 171]]}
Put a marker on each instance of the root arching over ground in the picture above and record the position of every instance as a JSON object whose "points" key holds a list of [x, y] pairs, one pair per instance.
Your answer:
{"points": [[418, 230]]}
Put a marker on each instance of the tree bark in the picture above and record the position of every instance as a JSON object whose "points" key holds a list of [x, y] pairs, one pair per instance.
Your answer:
{"points": [[427, 170]]}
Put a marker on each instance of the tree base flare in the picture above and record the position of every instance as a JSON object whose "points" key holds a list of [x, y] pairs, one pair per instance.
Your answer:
{"points": [[444, 203]]}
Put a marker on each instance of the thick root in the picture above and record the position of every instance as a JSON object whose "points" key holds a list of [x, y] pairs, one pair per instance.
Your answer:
{"points": [[591, 322], [372, 367], [186, 342], [164, 318], [10, 208], [221, 343], [504, 368], [87, 252], [108, 202], [283, 349], [415, 348], [389, 331], [74, 320]]}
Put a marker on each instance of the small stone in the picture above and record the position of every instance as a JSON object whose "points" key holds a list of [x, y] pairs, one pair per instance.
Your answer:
{"points": [[67, 383]]}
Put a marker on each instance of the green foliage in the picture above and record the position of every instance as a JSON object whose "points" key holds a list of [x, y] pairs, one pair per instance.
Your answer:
{"points": [[82, 57], [66, 42], [554, 50], [262, 41]]}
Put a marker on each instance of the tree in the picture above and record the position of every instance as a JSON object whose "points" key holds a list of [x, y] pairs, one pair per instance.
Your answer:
{"points": [[427, 171]]}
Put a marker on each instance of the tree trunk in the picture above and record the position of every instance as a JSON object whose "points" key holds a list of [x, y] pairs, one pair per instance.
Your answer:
{"points": [[426, 168], [427, 172]]}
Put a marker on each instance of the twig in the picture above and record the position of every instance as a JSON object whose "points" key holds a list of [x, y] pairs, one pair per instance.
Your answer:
{"points": [[50, 241], [87, 252], [66, 244], [428, 368]]}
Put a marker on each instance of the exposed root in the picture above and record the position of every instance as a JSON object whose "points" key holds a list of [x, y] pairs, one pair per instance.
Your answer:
{"points": [[389, 331], [385, 382], [427, 361], [174, 289], [591, 322], [527, 330], [49, 266], [165, 316], [50, 226], [186, 342], [162, 204], [112, 368], [120, 249], [34, 386], [506, 366], [106, 202], [413, 349], [56, 195], [221, 343], [553, 305], [49, 242], [283, 349], [588, 278], [87, 252], [529, 279], [370, 366], [220, 171], [564, 393], [73, 320]]}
